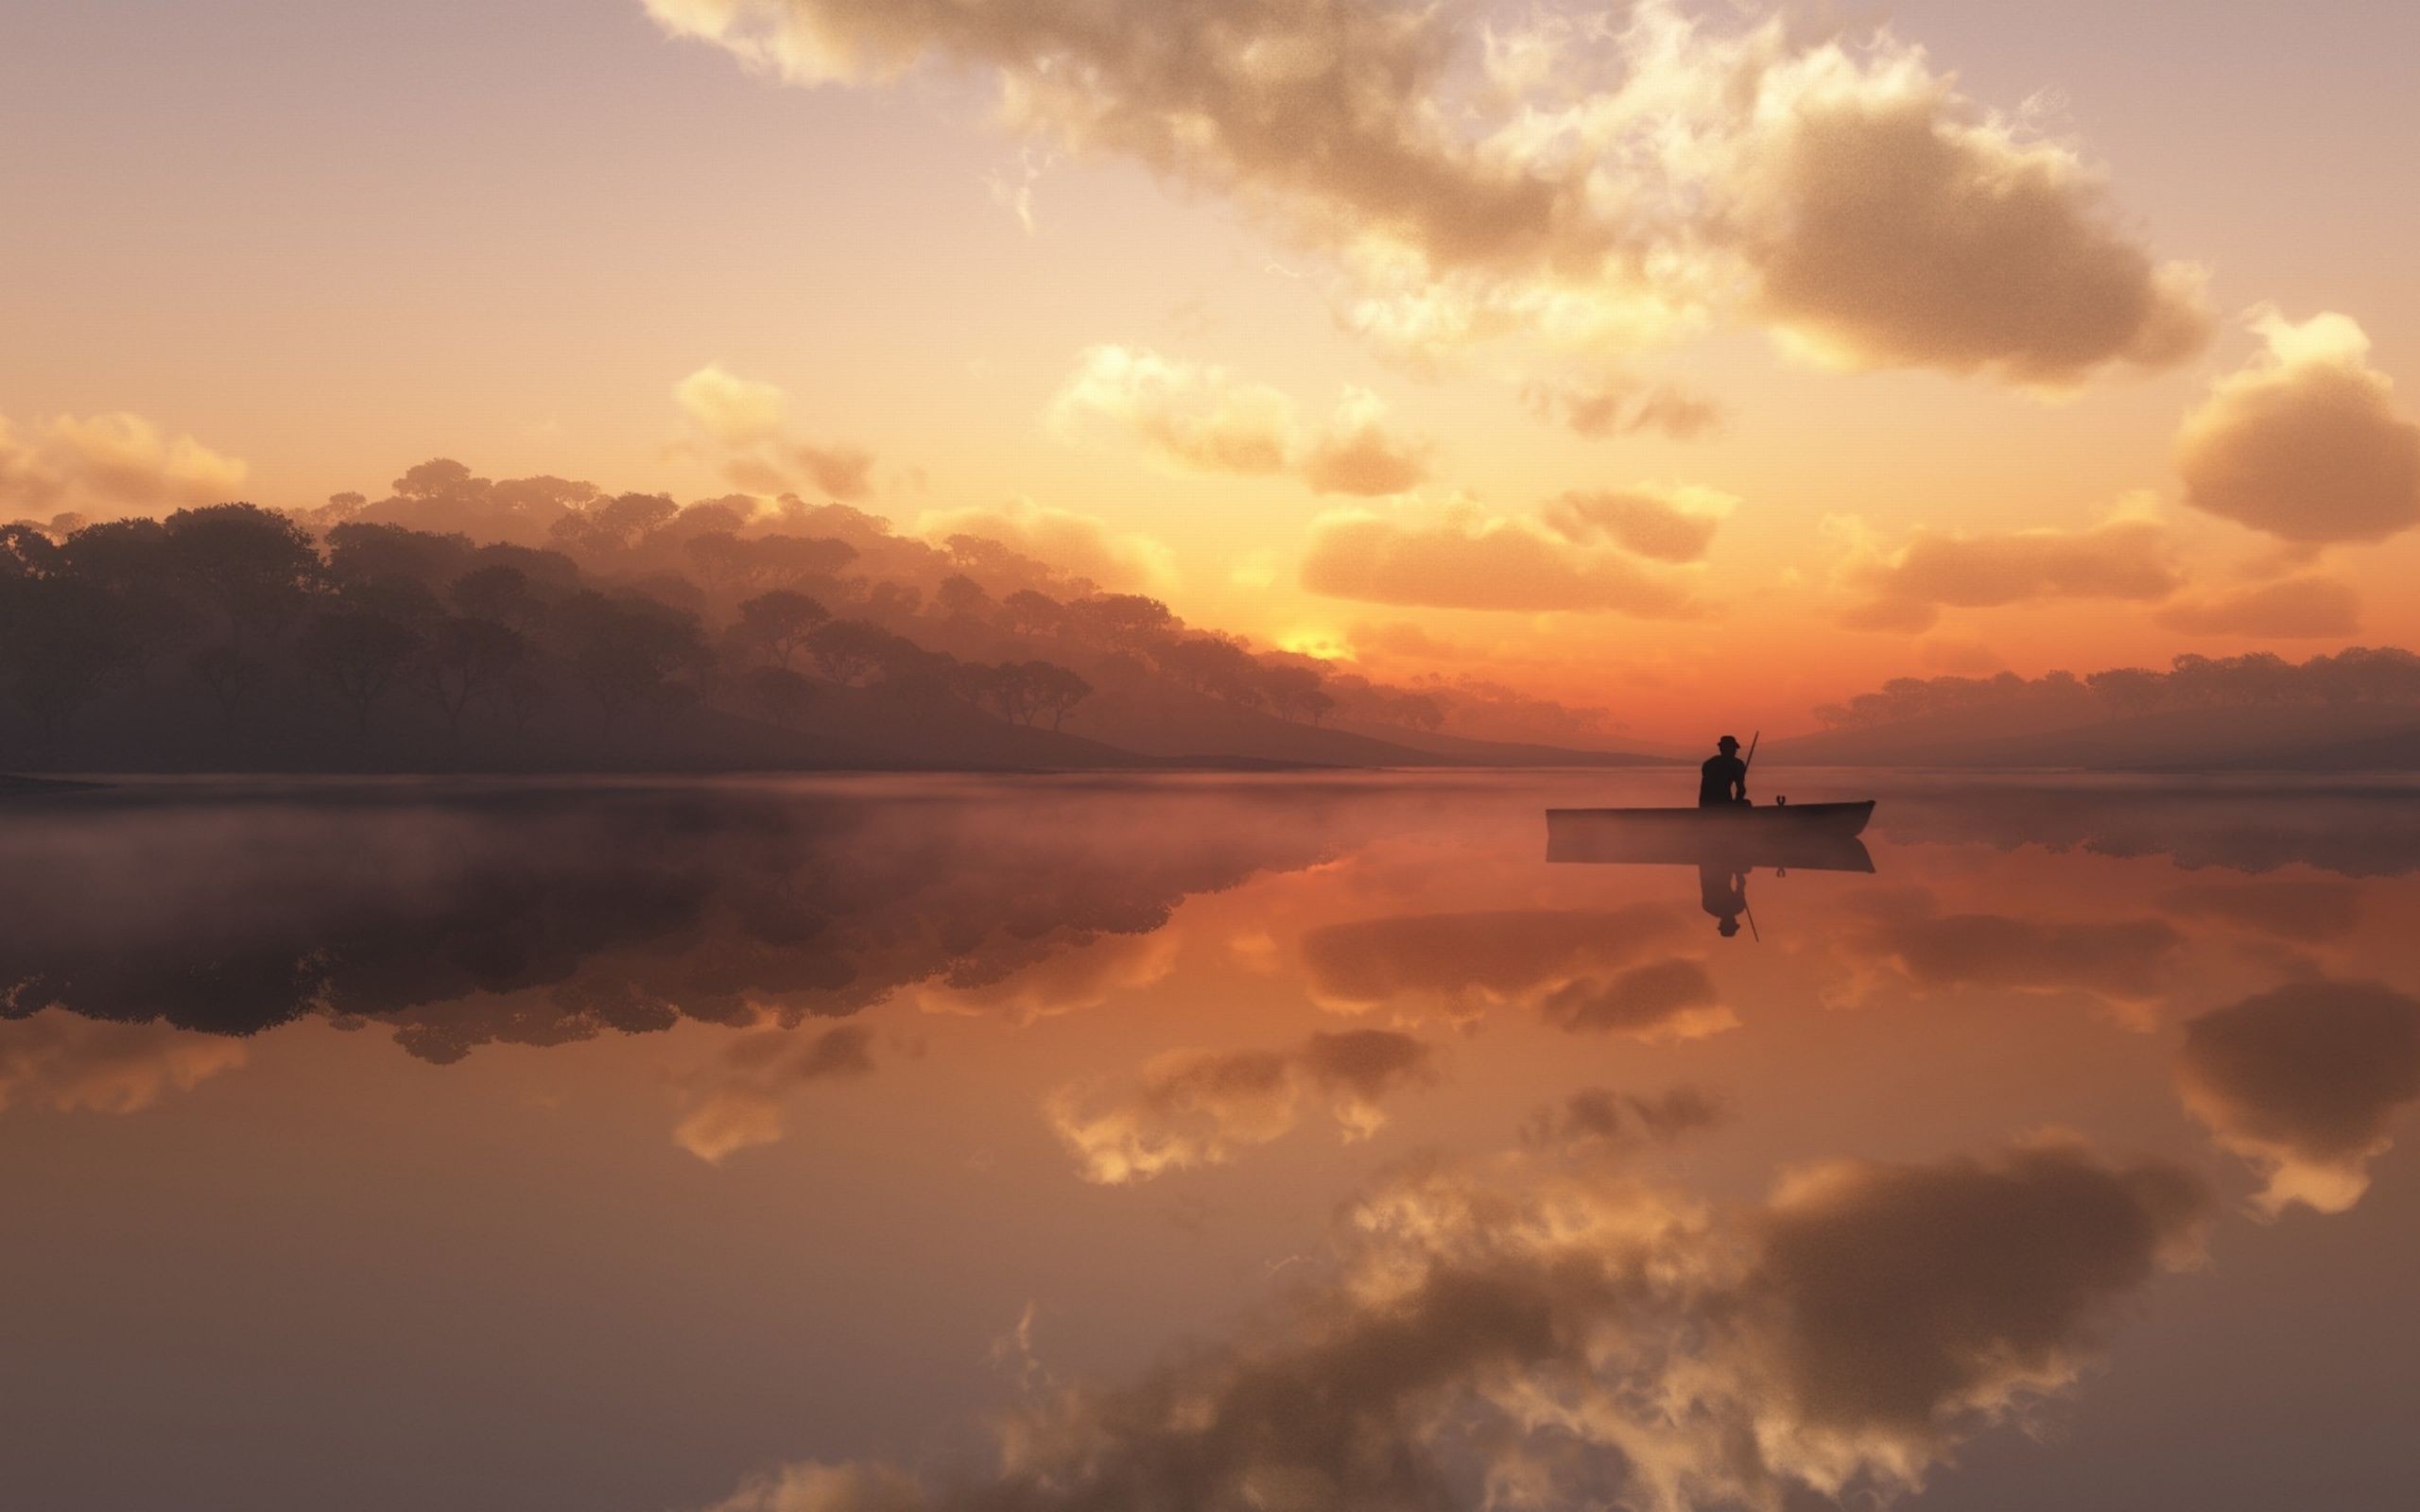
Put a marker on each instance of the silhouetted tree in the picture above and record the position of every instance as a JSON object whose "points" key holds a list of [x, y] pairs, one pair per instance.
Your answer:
{"points": [[781, 695], [229, 672], [1029, 612], [133, 561], [469, 659], [962, 597], [498, 594], [630, 651], [254, 568], [360, 551], [1055, 690], [615, 524], [1118, 619], [1214, 665], [848, 651], [60, 643], [777, 624], [359, 655], [1294, 692]]}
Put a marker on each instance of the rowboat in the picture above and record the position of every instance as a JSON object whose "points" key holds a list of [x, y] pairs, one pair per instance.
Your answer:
{"points": [[1814, 836]]}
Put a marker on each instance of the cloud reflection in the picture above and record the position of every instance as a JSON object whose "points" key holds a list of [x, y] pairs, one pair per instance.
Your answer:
{"points": [[2303, 1081], [1525, 1331], [1193, 1107]]}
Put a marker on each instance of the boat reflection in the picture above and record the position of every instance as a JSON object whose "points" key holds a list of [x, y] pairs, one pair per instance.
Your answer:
{"points": [[1724, 854]]}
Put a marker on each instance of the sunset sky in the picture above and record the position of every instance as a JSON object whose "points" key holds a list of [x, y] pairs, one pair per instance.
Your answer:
{"points": [[1691, 359]]}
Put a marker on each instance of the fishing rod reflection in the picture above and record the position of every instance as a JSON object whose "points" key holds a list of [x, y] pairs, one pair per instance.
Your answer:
{"points": [[1724, 855]]}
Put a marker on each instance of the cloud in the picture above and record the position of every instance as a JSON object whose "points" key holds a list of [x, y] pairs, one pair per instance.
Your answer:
{"points": [[1460, 558], [2305, 440], [2289, 609], [1891, 224], [745, 1099], [1905, 590], [746, 424], [1583, 970], [1075, 543], [1198, 1108], [1662, 1000], [1904, 1297], [1668, 525], [1623, 407], [1359, 454], [1537, 1332], [2123, 962], [1597, 1119], [110, 464], [2303, 1081], [1194, 414], [1201, 418], [1471, 962], [1619, 182], [68, 1064], [2308, 910], [1068, 980], [1400, 638]]}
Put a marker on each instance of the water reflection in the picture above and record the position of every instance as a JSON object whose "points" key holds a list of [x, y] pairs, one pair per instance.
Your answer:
{"points": [[1723, 858], [1315, 1142]]}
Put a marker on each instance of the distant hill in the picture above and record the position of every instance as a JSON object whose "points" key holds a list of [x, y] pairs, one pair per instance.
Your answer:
{"points": [[1464, 750], [1155, 719], [2291, 738]]}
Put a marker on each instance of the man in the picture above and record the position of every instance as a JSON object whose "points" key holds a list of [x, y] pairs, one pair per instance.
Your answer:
{"points": [[1723, 893], [1723, 778]]}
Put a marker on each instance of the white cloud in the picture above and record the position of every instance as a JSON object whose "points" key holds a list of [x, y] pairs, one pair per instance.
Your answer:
{"points": [[1580, 182]]}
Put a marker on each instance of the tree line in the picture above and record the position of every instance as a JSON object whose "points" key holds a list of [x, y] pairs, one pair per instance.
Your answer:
{"points": [[2358, 675], [381, 621]]}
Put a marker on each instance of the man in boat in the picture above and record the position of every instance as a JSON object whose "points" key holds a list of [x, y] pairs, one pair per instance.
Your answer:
{"points": [[1723, 780]]}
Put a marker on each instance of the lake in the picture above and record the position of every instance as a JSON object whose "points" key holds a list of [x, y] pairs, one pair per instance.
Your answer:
{"points": [[1287, 1142]]}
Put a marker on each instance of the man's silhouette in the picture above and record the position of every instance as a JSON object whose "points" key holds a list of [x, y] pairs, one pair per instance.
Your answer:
{"points": [[1723, 778], [1723, 893]]}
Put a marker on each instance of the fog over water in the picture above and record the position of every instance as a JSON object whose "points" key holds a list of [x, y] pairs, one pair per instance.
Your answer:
{"points": [[1290, 1142]]}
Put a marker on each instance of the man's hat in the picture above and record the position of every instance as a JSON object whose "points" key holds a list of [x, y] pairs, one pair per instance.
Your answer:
{"points": [[1728, 743]]}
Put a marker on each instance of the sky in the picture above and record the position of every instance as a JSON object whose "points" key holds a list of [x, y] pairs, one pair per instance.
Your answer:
{"points": [[1697, 361]]}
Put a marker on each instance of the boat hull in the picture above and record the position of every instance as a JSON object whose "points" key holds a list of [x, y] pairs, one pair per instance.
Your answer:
{"points": [[1812, 836]]}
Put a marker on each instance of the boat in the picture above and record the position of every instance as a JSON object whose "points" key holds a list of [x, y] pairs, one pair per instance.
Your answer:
{"points": [[1814, 837]]}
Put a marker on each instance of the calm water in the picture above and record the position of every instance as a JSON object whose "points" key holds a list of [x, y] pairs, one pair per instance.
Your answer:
{"points": [[1289, 1143]]}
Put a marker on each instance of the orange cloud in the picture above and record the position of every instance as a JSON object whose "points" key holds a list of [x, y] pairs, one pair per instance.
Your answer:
{"points": [[2304, 441], [69, 1064], [1203, 419], [747, 426], [1359, 454], [1668, 525], [1077, 543], [1464, 559], [1199, 1107], [1623, 407], [2290, 609], [745, 1099], [1907, 590], [113, 464]]}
